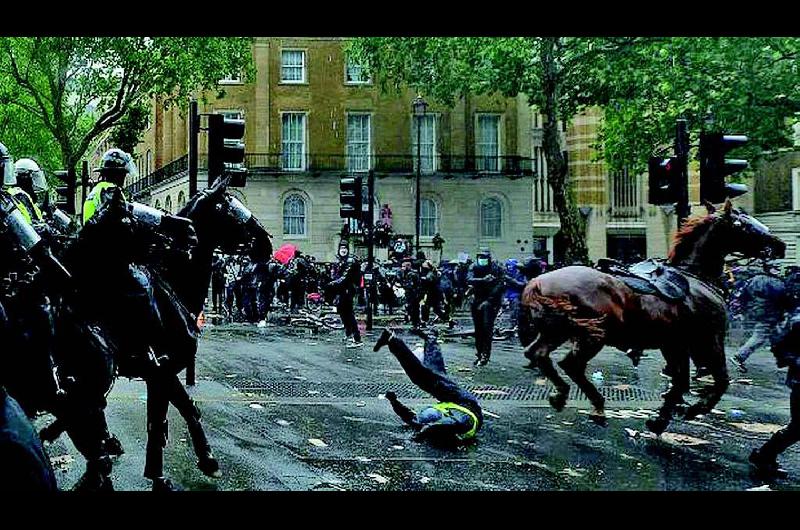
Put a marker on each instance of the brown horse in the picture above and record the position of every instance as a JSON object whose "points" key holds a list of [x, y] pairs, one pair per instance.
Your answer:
{"points": [[594, 309]]}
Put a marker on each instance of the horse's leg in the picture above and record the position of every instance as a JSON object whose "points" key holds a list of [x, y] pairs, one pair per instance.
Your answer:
{"points": [[719, 373], [86, 427], [191, 415], [539, 352], [678, 359], [574, 364], [157, 432]]}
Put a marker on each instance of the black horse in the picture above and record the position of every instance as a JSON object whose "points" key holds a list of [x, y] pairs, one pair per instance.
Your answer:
{"points": [[161, 340]]}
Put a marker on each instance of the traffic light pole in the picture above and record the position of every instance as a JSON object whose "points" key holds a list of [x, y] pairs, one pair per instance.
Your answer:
{"points": [[84, 183], [370, 246], [194, 130], [682, 154]]}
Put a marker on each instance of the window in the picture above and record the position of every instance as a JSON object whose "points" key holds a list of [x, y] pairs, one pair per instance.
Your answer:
{"points": [[293, 66], [294, 216], [491, 218], [428, 217], [427, 140], [231, 79], [168, 204], [294, 141], [149, 163], [158, 204], [355, 74], [358, 142], [181, 200], [487, 148], [232, 114]]}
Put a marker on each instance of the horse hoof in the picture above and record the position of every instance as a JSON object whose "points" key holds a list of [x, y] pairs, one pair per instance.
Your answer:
{"points": [[599, 418], [656, 426], [558, 401], [210, 467]]}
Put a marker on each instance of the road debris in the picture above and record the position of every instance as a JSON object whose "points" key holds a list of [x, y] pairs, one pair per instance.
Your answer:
{"points": [[380, 479], [744, 381], [424, 480], [765, 487], [761, 428], [283, 423], [572, 472], [736, 413], [540, 381], [492, 392], [363, 459], [597, 376], [62, 462], [397, 447], [317, 442], [490, 414], [256, 406]]}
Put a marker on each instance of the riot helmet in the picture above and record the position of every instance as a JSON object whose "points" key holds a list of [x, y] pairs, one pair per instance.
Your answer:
{"points": [[31, 178], [7, 167], [115, 165]]}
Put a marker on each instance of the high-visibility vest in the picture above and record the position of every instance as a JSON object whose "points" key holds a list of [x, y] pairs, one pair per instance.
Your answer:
{"points": [[95, 199], [25, 204], [446, 406]]}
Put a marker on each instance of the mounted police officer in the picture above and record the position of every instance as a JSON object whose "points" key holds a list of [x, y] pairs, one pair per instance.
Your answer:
{"points": [[486, 278], [20, 185], [115, 165]]}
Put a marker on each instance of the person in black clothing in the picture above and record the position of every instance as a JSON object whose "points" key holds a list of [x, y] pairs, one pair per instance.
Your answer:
{"points": [[218, 283], [410, 282], [457, 417], [432, 292], [786, 349], [345, 287], [298, 271], [486, 278]]}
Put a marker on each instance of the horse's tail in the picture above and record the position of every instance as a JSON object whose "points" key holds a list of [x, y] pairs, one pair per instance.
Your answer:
{"points": [[557, 312]]}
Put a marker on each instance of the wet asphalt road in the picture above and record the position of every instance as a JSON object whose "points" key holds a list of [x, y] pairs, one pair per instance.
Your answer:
{"points": [[288, 410]]}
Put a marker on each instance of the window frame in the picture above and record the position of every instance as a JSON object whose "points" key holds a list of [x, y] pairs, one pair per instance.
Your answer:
{"points": [[478, 143], [239, 80], [436, 158], [295, 194], [370, 158], [303, 67], [347, 66], [305, 148], [482, 234], [436, 217]]}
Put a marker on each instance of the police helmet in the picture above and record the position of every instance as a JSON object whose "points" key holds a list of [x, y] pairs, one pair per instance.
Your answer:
{"points": [[116, 162], [7, 167], [27, 168]]}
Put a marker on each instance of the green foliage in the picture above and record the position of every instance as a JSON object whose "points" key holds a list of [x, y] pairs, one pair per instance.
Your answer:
{"points": [[75, 88], [127, 133]]}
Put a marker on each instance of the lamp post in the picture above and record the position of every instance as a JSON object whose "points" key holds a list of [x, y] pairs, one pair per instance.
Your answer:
{"points": [[419, 106]]}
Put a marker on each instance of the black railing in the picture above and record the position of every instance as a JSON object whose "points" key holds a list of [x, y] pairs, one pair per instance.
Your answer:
{"points": [[279, 163], [176, 167]]}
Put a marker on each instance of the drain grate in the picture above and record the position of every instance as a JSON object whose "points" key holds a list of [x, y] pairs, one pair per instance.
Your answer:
{"points": [[290, 388]]}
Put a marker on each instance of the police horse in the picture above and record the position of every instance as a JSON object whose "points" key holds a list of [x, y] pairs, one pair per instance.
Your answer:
{"points": [[672, 306], [135, 233]]}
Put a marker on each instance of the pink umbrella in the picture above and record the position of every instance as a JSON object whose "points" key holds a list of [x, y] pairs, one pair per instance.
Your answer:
{"points": [[285, 253]]}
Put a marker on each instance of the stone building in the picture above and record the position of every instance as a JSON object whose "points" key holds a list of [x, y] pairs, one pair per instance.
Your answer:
{"points": [[311, 118]]}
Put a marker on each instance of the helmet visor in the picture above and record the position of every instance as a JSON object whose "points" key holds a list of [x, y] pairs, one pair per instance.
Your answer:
{"points": [[9, 174], [130, 167], [38, 181]]}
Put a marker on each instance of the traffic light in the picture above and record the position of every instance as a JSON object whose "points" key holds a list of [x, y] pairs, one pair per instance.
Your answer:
{"points": [[65, 195], [714, 167], [663, 177], [226, 150], [350, 198]]}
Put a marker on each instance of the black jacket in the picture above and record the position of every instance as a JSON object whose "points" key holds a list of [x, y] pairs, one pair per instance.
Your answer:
{"points": [[23, 460], [488, 282]]}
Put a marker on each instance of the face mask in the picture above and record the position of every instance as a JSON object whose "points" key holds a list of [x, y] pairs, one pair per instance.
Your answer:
{"points": [[483, 262]]}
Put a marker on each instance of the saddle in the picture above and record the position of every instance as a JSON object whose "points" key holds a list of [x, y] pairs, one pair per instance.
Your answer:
{"points": [[648, 277]]}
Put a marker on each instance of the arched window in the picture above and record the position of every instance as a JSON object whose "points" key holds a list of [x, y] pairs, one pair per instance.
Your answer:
{"points": [[428, 217], [181, 200], [491, 218], [294, 215], [168, 204], [158, 204]]}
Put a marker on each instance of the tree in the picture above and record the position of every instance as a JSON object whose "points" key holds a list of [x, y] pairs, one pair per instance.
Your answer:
{"points": [[75, 88], [552, 71]]}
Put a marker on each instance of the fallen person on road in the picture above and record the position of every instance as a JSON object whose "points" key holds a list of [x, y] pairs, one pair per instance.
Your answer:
{"points": [[457, 417]]}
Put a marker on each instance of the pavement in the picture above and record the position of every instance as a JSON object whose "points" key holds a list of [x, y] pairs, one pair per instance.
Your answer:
{"points": [[289, 409]]}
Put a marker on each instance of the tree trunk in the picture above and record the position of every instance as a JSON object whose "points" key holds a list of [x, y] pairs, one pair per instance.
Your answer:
{"points": [[572, 226]]}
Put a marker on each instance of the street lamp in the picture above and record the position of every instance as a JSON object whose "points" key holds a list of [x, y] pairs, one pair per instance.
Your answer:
{"points": [[419, 106]]}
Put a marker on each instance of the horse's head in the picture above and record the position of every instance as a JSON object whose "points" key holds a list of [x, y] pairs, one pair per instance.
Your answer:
{"points": [[222, 221], [739, 233]]}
